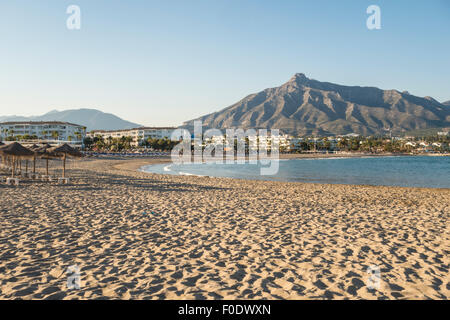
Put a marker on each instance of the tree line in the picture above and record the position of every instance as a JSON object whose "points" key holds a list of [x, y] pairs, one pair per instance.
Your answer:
{"points": [[125, 143]]}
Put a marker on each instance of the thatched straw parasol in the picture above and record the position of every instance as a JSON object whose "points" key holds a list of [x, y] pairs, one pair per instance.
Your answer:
{"points": [[66, 150], [15, 150]]}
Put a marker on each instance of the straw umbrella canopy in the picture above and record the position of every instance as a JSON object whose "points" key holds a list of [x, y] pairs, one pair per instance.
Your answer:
{"points": [[66, 150], [15, 150]]}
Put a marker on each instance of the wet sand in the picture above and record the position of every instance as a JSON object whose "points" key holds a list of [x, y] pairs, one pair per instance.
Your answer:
{"points": [[137, 235]]}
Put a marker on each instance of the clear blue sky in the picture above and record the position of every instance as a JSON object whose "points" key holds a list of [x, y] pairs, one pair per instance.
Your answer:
{"points": [[164, 62]]}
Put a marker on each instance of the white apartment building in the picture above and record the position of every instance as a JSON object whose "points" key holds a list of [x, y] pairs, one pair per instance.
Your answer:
{"points": [[50, 131], [282, 140], [138, 134], [255, 141]]}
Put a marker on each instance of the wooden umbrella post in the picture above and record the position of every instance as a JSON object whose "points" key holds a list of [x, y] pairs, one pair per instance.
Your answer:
{"points": [[13, 167], [62, 152], [64, 166]]}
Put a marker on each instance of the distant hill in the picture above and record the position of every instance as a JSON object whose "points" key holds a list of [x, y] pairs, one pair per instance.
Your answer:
{"points": [[305, 106], [91, 118]]}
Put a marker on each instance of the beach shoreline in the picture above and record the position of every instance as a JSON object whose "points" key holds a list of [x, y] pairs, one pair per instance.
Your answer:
{"points": [[137, 235], [133, 165], [408, 170], [287, 156]]}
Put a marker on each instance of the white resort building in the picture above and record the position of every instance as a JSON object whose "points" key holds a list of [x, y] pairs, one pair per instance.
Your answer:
{"points": [[138, 134], [43, 131], [254, 141]]}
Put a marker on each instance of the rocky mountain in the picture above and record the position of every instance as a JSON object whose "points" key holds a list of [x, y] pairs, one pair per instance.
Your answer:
{"points": [[446, 103], [305, 106], [91, 118]]}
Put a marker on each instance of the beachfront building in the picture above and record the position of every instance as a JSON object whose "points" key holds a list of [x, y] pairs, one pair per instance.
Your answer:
{"points": [[410, 144], [43, 131], [282, 140], [138, 135], [254, 141], [437, 144]]}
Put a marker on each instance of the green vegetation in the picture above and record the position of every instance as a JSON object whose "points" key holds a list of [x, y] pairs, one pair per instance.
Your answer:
{"points": [[374, 144], [21, 137], [160, 144], [125, 143]]}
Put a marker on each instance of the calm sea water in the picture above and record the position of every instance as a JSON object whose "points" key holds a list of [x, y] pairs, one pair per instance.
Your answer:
{"points": [[432, 172]]}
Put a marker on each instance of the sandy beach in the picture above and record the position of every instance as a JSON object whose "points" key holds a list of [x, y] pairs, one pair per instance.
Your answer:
{"points": [[136, 235]]}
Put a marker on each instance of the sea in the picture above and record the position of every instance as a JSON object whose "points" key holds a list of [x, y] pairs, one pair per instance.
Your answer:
{"points": [[403, 171]]}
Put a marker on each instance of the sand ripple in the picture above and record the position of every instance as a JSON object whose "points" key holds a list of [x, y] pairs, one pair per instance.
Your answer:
{"points": [[212, 238]]}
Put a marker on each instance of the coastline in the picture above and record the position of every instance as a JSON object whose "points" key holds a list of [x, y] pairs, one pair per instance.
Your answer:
{"points": [[137, 235], [314, 176], [284, 156]]}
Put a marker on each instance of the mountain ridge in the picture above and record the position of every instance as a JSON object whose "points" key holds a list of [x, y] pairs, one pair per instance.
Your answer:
{"points": [[306, 106], [92, 119]]}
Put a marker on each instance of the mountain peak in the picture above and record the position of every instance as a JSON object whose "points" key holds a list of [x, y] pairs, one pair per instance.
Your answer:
{"points": [[305, 106], [52, 112], [298, 76]]}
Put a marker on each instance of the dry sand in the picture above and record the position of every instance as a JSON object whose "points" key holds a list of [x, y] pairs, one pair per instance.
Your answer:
{"points": [[215, 238]]}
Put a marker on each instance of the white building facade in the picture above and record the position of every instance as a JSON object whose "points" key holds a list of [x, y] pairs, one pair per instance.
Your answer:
{"points": [[138, 134], [49, 131], [254, 141]]}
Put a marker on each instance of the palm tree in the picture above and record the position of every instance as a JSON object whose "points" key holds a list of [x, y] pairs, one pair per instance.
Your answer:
{"points": [[5, 132], [128, 141], [55, 135], [110, 142], [342, 144], [78, 135], [99, 143]]}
